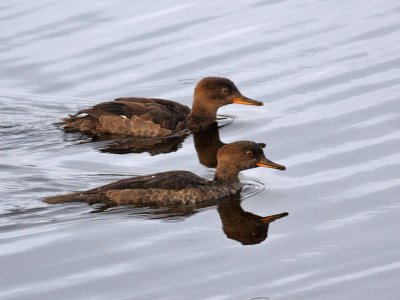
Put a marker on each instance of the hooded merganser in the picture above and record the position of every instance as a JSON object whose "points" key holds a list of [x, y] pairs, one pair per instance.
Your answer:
{"points": [[179, 187], [148, 117]]}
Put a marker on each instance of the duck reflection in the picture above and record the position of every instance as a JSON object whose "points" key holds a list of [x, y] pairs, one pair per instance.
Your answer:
{"points": [[237, 224], [206, 141], [153, 146], [108, 143], [207, 144], [243, 226]]}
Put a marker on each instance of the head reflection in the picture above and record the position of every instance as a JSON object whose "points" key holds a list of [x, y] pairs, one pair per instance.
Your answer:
{"points": [[207, 143], [243, 226], [237, 224]]}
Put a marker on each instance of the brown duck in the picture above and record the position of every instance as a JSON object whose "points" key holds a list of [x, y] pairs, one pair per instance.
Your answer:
{"points": [[148, 117], [179, 187]]}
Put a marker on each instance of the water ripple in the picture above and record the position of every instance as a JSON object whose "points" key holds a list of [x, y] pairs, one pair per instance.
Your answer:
{"points": [[328, 73]]}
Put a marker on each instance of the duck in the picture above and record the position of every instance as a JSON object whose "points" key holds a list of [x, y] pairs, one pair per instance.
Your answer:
{"points": [[179, 187], [151, 117], [243, 226]]}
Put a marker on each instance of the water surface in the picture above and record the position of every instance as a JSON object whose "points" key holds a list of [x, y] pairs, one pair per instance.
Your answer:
{"points": [[329, 75]]}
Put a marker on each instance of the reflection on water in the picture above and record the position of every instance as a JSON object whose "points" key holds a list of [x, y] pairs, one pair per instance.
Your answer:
{"points": [[243, 226], [207, 144], [237, 224], [327, 72], [154, 146]]}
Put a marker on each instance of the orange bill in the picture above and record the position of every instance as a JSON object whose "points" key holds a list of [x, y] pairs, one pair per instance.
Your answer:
{"points": [[270, 164], [247, 101]]}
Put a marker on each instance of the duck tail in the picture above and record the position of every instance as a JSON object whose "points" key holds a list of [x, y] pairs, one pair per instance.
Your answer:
{"points": [[272, 218], [86, 124], [72, 197]]}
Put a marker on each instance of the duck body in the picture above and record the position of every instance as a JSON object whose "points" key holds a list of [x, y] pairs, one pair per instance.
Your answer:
{"points": [[150, 117], [160, 189], [142, 117], [179, 187]]}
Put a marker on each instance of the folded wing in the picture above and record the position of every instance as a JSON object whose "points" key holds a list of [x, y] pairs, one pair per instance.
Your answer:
{"points": [[159, 189], [146, 117]]}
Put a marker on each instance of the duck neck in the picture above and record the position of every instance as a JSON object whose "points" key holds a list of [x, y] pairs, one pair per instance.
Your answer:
{"points": [[201, 115], [226, 174]]}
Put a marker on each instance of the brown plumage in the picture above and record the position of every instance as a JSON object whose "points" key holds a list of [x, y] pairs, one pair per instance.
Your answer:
{"points": [[148, 117], [179, 187]]}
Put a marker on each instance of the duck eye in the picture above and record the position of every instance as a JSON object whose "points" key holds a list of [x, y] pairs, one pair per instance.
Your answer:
{"points": [[225, 91], [249, 153]]}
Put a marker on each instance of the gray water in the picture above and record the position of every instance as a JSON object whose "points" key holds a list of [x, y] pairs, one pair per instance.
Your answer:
{"points": [[328, 72]]}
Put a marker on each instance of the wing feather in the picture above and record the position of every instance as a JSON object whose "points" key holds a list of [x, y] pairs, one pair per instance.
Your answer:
{"points": [[146, 117]]}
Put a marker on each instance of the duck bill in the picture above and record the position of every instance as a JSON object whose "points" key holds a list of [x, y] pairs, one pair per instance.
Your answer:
{"points": [[247, 101], [269, 219], [265, 163]]}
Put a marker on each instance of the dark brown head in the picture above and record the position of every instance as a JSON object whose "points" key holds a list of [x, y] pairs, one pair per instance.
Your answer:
{"points": [[213, 92], [245, 155], [238, 156]]}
